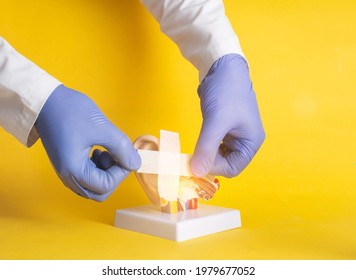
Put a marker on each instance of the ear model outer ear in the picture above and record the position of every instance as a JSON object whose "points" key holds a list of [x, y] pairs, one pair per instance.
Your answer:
{"points": [[149, 182]]}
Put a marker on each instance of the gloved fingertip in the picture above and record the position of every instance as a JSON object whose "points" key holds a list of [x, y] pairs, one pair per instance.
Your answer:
{"points": [[135, 160], [198, 172], [199, 167]]}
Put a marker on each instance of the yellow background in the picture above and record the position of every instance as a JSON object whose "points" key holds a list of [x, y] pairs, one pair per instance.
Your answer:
{"points": [[297, 197]]}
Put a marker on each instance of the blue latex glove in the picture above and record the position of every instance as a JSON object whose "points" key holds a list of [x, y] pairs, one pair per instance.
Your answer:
{"points": [[232, 130], [69, 125]]}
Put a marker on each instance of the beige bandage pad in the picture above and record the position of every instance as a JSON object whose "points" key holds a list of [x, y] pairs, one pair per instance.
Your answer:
{"points": [[150, 161], [169, 164]]}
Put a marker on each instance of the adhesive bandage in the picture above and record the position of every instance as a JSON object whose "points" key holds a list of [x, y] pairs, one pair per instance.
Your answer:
{"points": [[166, 177]]}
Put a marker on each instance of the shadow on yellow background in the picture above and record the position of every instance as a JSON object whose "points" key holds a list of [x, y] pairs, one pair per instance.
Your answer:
{"points": [[297, 197]]}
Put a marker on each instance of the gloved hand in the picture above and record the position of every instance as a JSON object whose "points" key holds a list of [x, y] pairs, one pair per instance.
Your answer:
{"points": [[69, 125], [232, 131]]}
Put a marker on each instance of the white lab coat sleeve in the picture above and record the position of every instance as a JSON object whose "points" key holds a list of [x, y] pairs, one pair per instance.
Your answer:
{"points": [[200, 28], [24, 88]]}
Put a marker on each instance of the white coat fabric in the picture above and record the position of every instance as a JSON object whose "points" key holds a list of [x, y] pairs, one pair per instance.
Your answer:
{"points": [[199, 28], [24, 88]]}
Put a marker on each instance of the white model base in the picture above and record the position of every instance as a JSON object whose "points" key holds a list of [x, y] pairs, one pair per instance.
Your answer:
{"points": [[181, 226]]}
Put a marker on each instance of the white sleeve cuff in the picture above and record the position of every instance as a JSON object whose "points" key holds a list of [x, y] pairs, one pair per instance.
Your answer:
{"points": [[24, 88]]}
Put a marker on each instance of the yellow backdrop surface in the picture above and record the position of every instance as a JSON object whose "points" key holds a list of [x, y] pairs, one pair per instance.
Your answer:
{"points": [[298, 196]]}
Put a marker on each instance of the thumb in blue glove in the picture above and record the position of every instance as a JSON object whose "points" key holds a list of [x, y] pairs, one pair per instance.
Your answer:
{"points": [[232, 130], [69, 125]]}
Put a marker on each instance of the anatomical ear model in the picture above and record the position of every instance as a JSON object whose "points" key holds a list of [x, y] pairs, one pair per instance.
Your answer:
{"points": [[190, 189]]}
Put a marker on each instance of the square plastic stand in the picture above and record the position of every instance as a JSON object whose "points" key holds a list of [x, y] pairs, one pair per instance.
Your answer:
{"points": [[182, 226]]}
